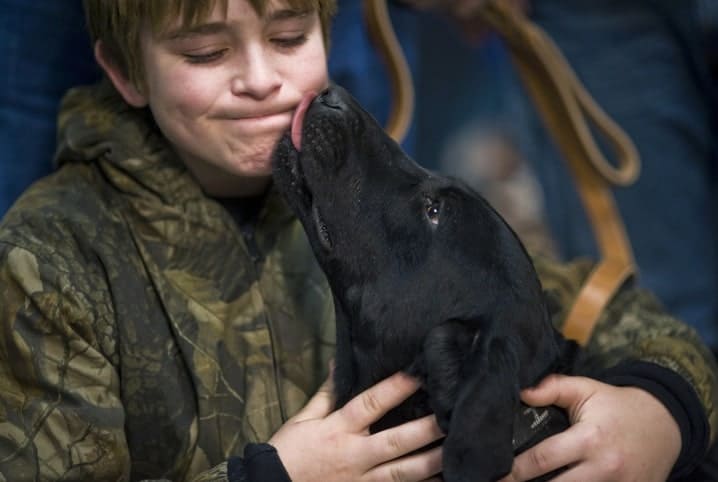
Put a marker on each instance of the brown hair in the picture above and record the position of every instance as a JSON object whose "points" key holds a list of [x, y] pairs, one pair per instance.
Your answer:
{"points": [[119, 23]]}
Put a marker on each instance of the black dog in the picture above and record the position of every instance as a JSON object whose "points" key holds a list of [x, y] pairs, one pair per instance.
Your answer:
{"points": [[426, 277]]}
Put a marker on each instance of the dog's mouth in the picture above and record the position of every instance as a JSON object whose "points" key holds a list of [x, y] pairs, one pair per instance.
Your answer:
{"points": [[307, 209]]}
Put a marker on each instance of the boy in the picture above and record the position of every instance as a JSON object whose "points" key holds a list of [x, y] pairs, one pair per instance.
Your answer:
{"points": [[163, 315]]}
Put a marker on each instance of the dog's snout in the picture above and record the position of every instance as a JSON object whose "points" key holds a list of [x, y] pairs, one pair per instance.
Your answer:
{"points": [[331, 98]]}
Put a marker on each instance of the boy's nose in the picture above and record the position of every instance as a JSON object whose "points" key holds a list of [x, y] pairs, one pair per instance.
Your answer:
{"points": [[257, 77]]}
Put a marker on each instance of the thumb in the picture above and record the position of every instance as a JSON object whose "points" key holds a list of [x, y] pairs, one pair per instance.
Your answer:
{"points": [[322, 403], [564, 391]]}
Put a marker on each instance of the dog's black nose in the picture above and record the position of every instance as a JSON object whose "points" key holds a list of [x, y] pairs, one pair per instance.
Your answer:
{"points": [[331, 98]]}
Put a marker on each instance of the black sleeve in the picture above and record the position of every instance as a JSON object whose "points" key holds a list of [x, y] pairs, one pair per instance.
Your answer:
{"points": [[260, 463], [680, 399]]}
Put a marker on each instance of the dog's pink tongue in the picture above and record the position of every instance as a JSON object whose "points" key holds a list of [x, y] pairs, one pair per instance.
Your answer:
{"points": [[298, 119]]}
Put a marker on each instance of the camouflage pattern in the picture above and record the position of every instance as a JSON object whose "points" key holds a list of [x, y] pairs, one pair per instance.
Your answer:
{"points": [[140, 339], [636, 326]]}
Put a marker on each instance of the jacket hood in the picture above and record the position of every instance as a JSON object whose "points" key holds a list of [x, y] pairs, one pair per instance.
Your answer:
{"points": [[96, 125]]}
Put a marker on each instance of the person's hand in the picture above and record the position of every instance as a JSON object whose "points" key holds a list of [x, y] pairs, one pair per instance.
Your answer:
{"points": [[617, 434], [318, 444]]}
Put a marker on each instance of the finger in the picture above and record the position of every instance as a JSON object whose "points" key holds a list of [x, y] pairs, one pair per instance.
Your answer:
{"points": [[412, 468], [370, 405], [403, 439], [560, 390], [550, 454], [321, 404], [580, 472]]}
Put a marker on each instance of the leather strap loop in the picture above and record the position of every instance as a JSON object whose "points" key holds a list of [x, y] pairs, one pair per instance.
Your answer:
{"points": [[567, 109], [541, 61], [382, 34]]}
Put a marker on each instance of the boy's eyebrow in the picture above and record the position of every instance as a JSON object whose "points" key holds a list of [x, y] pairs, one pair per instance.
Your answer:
{"points": [[201, 29], [219, 27], [287, 13]]}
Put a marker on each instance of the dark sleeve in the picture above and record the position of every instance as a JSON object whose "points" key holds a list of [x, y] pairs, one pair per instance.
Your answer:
{"points": [[681, 400], [260, 463]]}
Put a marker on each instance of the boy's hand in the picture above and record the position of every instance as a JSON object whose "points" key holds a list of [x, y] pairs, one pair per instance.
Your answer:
{"points": [[617, 434], [318, 444]]}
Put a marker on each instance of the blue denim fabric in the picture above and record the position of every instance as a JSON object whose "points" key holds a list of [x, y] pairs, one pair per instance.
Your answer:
{"points": [[44, 50], [638, 58]]}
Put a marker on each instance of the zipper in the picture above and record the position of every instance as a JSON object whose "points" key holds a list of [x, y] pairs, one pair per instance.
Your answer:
{"points": [[250, 242], [247, 235]]}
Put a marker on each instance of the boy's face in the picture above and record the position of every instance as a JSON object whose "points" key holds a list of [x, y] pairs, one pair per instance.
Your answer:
{"points": [[224, 92]]}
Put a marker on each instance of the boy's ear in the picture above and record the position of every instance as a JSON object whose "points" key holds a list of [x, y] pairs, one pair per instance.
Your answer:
{"points": [[118, 76]]}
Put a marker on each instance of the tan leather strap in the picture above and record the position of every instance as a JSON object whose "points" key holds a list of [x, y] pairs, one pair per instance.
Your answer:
{"points": [[566, 109], [381, 32]]}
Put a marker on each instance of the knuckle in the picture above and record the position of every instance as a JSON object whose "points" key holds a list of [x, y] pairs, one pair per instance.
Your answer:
{"points": [[591, 437], [370, 403], [614, 463], [541, 459], [396, 474], [394, 443]]}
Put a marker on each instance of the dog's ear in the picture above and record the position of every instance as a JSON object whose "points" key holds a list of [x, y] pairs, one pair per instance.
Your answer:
{"points": [[440, 365], [471, 378], [473, 371], [479, 443]]}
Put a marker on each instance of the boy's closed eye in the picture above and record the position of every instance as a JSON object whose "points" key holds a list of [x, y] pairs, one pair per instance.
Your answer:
{"points": [[207, 43], [289, 41], [211, 54], [204, 57]]}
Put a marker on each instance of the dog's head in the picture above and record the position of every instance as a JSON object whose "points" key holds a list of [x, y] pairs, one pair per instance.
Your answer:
{"points": [[426, 276], [396, 241]]}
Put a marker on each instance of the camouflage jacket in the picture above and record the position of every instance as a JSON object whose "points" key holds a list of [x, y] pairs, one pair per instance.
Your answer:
{"points": [[141, 338]]}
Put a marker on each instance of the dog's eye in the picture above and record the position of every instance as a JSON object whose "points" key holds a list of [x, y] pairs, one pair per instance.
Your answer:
{"points": [[432, 208]]}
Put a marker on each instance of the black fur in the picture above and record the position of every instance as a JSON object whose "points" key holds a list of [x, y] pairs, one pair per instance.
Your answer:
{"points": [[426, 277]]}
